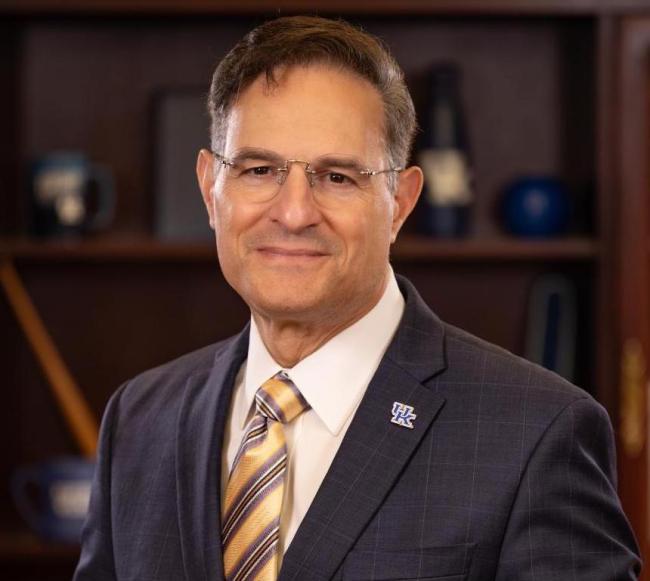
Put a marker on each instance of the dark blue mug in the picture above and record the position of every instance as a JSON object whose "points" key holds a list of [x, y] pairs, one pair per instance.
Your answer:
{"points": [[53, 497], [70, 195]]}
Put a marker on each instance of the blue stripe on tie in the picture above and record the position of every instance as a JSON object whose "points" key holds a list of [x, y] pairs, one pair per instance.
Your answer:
{"points": [[257, 554], [256, 431], [262, 485]]}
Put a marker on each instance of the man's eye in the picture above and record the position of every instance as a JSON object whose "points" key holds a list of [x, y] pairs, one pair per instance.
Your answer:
{"points": [[259, 170], [339, 179]]}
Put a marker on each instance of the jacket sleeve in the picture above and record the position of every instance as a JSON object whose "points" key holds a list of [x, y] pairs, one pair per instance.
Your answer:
{"points": [[96, 560], [566, 521]]}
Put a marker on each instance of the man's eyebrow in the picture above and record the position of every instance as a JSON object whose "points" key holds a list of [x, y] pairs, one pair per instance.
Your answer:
{"points": [[257, 153], [334, 160], [330, 159]]}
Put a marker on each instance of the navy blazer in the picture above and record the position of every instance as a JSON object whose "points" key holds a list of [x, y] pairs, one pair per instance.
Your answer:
{"points": [[508, 473]]}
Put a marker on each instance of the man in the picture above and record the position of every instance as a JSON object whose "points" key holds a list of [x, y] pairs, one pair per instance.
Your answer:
{"points": [[347, 432]]}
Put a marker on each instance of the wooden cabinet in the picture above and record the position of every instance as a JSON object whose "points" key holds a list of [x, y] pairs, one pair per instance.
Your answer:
{"points": [[553, 87]]}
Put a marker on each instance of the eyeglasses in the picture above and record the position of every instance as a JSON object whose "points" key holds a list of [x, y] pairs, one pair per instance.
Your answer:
{"points": [[257, 175]]}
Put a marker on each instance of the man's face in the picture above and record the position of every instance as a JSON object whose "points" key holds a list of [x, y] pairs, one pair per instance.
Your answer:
{"points": [[293, 258]]}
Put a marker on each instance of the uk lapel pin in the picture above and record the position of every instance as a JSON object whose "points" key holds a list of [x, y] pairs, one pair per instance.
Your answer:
{"points": [[403, 415]]}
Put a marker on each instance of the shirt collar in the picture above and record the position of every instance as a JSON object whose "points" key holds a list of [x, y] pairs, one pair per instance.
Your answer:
{"points": [[334, 378]]}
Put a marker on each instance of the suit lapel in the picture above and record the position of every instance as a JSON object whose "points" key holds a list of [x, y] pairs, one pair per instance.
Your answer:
{"points": [[199, 435], [374, 450]]}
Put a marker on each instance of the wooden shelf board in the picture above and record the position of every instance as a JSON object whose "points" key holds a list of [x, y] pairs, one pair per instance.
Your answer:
{"points": [[497, 249], [23, 545], [408, 248], [113, 250], [452, 7]]}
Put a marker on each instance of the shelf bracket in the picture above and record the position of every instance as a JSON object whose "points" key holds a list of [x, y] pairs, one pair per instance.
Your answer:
{"points": [[69, 398]]}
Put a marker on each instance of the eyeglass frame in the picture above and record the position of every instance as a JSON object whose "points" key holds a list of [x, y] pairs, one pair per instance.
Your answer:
{"points": [[284, 170]]}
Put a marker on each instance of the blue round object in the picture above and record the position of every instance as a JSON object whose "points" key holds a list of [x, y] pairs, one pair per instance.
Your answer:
{"points": [[536, 207]]}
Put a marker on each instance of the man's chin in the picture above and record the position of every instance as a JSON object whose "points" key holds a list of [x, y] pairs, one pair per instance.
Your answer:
{"points": [[288, 307], [297, 297]]}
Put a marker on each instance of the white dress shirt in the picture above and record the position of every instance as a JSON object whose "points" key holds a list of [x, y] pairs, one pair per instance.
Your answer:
{"points": [[333, 380]]}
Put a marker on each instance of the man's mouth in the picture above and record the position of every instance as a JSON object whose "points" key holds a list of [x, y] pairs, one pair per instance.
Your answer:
{"points": [[291, 252]]}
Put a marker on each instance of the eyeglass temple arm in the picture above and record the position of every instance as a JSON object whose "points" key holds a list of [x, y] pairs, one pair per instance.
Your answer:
{"points": [[370, 172]]}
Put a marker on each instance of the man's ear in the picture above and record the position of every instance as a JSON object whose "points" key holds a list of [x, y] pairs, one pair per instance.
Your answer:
{"points": [[407, 194], [205, 175]]}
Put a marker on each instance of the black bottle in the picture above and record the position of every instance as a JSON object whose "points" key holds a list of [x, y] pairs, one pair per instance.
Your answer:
{"points": [[444, 158]]}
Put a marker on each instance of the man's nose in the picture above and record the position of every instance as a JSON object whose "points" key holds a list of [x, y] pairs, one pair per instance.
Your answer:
{"points": [[295, 206]]}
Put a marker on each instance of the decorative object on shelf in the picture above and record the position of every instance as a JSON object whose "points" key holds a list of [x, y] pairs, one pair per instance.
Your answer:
{"points": [[70, 195], [536, 207], [53, 497], [444, 159], [180, 119], [551, 325]]}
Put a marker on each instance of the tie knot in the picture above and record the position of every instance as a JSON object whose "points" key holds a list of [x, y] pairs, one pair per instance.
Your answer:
{"points": [[279, 399]]}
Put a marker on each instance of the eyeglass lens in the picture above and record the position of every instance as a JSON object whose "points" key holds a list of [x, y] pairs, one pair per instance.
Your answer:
{"points": [[259, 175]]}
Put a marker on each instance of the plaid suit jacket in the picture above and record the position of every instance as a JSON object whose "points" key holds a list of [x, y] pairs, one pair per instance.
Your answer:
{"points": [[507, 474]]}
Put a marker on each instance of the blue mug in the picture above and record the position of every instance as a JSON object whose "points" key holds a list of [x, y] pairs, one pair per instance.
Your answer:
{"points": [[52, 497], [70, 195]]}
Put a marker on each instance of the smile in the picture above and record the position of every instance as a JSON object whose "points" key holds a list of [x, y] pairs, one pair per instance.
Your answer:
{"points": [[298, 253]]}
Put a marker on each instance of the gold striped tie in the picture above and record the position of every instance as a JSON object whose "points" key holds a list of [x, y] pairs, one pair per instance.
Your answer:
{"points": [[251, 511]]}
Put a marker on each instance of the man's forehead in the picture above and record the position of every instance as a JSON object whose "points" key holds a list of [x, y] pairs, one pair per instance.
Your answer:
{"points": [[284, 74], [317, 102]]}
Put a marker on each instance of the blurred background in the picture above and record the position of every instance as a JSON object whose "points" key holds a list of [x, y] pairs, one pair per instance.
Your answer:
{"points": [[533, 231]]}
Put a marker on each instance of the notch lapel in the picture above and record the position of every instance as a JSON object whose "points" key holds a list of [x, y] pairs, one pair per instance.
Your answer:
{"points": [[199, 435], [374, 450]]}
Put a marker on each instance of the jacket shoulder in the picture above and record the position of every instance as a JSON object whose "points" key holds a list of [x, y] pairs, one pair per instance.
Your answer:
{"points": [[161, 388], [477, 364]]}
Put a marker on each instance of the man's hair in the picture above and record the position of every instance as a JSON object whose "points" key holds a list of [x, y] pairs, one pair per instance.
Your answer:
{"points": [[308, 40]]}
